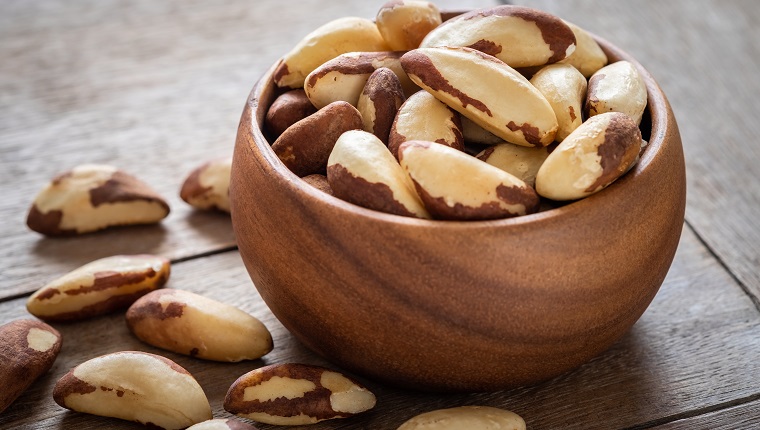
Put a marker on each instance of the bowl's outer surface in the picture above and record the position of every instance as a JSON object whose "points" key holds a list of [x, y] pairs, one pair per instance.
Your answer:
{"points": [[458, 306]]}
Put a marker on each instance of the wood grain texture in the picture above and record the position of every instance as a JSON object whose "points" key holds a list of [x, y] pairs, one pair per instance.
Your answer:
{"points": [[693, 348], [220, 277], [705, 54], [743, 416], [337, 274], [155, 89]]}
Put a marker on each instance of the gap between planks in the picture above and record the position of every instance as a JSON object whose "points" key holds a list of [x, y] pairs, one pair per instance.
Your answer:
{"points": [[695, 412], [646, 425], [718, 406], [755, 300]]}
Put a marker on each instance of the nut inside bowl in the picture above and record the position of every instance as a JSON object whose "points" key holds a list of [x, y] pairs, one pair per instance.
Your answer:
{"points": [[458, 306]]}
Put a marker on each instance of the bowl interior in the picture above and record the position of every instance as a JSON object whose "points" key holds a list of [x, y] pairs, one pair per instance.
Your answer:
{"points": [[653, 130]]}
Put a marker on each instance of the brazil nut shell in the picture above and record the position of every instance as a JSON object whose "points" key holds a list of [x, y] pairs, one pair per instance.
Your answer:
{"points": [[517, 35], [617, 87], [597, 153], [457, 186], [361, 170], [423, 117], [465, 79]]}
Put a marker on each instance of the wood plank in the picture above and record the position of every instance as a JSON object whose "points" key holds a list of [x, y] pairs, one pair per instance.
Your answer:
{"points": [[221, 277], [705, 56], [693, 348], [155, 89], [745, 416], [125, 82]]}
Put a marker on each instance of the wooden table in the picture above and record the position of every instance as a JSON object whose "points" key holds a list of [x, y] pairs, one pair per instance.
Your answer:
{"points": [[157, 88]]}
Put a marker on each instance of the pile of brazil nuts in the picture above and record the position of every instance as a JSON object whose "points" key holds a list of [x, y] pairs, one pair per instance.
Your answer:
{"points": [[152, 389], [495, 113], [491, 114], [93, 197]]}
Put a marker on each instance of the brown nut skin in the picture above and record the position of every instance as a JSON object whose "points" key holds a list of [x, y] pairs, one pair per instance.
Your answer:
{"points": [[134, 386], [591, 158], [466, 80], [517, 35], [319, 182], [222, 424], [651, 201], [348, 34], [287, 109], [208, 186], [190, 324], [617, 87], [457, 186], [306, 145], [379, 102], [296, 394], [362, 171], [404, 23], [99, 287], [466, 417], [344, 77], [28, 349], [423, 117], [92, 197]]}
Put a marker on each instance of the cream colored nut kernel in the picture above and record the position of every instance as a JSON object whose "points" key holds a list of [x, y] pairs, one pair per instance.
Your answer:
{"points": [[474, 133], [592, 157], [99, 287], [379, 102], [404, 23], [644, 144], [93, 197], [362, 171], [466, 417], [134, 386], [28, 349], [190, 324], [208, 186], [349, 34], [457, 186], [485, 90], [222, 424], [564, 87], [588, 56], [617, 87], [423, 117], [517, 35], [296, 394], [344, 77], [287, 109], [306, 145], [319, 182], [519, 161]]}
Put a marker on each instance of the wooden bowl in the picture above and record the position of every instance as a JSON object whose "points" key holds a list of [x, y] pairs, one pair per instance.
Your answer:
{"points": [[458, 306]]}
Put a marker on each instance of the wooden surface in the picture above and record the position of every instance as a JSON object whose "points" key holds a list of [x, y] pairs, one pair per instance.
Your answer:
{"points": [[156, 88]]}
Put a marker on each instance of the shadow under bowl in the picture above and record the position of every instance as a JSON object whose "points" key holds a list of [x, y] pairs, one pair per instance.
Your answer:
{"points": [[458, 306]]}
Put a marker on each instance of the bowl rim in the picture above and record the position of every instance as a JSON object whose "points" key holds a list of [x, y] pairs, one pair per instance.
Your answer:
{"points": [[658, 108]]}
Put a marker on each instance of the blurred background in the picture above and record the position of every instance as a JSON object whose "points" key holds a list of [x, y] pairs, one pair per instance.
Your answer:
{"points": [[165, 82], [157, 88]]}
